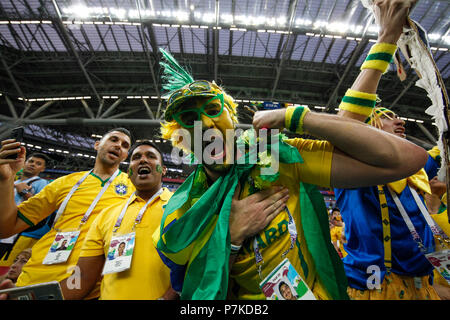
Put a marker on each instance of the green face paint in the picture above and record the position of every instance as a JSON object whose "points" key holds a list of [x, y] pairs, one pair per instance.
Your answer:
{"points": [[130, 172], [159, 168]]}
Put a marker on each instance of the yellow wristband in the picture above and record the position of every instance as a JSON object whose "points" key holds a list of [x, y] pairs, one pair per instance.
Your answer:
{"points": [[358, 102], [379, 57], [293, 119]]}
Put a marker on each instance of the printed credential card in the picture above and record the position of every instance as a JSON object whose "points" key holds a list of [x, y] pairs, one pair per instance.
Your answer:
{"points": [[284, 283]]}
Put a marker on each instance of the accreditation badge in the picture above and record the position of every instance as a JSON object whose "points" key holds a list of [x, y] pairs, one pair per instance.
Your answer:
{"points": [[61, 247], [284, 283], [441, 262], [120, 253]]}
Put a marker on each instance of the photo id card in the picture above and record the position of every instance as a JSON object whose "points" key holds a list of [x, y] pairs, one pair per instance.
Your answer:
{"points": [[61, 247], [120, 253], [441, 262], [284, 283]]}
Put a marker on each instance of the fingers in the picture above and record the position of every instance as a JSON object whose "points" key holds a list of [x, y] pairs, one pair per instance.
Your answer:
{"points": [[275, 197], [275, 209], [9, 148]]}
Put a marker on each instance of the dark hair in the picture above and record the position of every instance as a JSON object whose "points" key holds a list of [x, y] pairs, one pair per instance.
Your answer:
{"points": [[147, 143], [123, 130], [40, 156], [335, 209]]}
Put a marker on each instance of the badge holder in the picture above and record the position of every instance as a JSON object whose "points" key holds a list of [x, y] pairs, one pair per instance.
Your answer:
{"points": [[284, 283], [62, 247], [120, 253], [121, 246]]}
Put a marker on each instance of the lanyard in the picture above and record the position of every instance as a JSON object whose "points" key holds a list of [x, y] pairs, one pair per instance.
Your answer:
{"points": [[434, 228], [386, 229], [141, 212], [93, 204], [293, 236], [28, 181]]}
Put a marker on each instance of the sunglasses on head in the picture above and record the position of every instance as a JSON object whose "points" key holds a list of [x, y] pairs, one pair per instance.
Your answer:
{"points": [[186, 118], [201, 86]]}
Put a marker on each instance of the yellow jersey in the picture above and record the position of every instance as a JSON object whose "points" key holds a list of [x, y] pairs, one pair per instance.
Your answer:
{"points": [[148, 278], [47, 201], [275, 238], [336, 235]]}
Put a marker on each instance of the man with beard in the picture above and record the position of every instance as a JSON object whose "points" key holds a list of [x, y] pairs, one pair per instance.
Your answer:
{"points": [[201, 236], [77, 198]]}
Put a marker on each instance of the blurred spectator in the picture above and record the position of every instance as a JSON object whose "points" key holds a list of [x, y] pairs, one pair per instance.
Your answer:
{"points": [[16, 268], [28, 184], [437, 206], [337, 232]]}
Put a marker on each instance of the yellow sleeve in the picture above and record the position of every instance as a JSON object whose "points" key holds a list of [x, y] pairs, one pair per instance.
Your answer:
{"points": [[317, 156], [42, 204], [334, 234], [94, 242], [434, 152]]}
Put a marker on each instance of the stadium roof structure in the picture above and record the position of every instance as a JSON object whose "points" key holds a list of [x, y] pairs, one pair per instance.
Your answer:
{"points": [[82, 66]]}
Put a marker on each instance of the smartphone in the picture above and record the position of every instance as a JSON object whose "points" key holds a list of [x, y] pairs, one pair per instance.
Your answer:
{"points": [[17, 134], [41, 291]]}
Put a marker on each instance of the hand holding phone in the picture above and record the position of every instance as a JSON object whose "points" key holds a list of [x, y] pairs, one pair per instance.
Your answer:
{"points": [[17, 134], [42, 291]]}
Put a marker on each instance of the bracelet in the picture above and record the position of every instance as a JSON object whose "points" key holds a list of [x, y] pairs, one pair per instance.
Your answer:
{"points": [[358, 102], [379, 57], [234, 248], [293, 119]]}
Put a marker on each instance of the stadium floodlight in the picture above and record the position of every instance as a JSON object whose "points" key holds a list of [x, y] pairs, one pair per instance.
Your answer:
{"points": [[181, 15], [337, 27], [133, 14], [80, 11], [208, 17], [373, 28], [281, 21], [227, 18], [434, 36]]}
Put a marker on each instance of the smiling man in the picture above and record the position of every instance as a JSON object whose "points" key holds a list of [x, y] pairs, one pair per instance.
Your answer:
{"points": [[77, 198], [144, 277], [383, 261], [201, 237]]}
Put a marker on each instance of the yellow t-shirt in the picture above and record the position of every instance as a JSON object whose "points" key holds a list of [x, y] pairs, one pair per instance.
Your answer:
{"points": [[148, 277], [275, 238], [336, 235], [47, 201]]}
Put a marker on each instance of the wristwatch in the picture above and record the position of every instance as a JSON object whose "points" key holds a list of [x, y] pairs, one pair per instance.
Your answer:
{"points": [[24, 192]]}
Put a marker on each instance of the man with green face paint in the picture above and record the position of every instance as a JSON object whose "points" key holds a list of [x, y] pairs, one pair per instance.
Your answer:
{"points": [[113, 236], [205, 240]]}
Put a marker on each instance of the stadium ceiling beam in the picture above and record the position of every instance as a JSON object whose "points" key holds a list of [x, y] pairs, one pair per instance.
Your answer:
{"points": [[147, 54], [11, 76], [11, 106], [356, 54], [427, 133], [288, 43], [87, 109], [409, 85], [216, 42], [65, 34], [40, 109], [111, 108]]}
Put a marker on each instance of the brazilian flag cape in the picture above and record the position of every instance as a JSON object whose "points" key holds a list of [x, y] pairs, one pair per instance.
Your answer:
{"points": [[199, 237]]}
